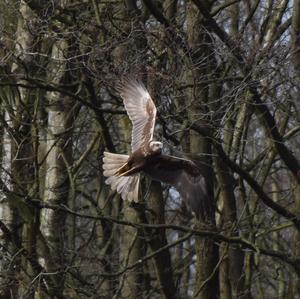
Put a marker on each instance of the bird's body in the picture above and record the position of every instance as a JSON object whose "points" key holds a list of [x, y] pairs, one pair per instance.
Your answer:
{"points": [[138, 161], [123, 171]]}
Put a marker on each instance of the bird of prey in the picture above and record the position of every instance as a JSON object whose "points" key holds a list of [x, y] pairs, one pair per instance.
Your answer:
{"points": [[123, 171]]}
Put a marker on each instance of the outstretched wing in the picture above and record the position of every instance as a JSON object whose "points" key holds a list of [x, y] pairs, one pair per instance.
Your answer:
{"points": [[185, 176], [141, 111]]}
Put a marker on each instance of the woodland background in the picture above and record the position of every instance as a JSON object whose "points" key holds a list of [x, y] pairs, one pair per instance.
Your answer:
{"points": [[225, 76]]}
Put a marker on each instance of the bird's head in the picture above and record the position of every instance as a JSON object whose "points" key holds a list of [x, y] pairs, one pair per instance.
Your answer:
{"points": [[156, 146]]}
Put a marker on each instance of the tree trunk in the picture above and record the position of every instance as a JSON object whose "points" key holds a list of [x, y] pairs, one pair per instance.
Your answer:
{"points": [[132, 246], [157, 239], [296, 61], [10, 218], [18, 163], [59, 157], [206, 284]]}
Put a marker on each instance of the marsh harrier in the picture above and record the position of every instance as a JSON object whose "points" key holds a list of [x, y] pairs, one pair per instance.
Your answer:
{"points": [[123, 171]]}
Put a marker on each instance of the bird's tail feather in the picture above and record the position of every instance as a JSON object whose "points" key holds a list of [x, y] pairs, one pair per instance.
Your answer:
{"points": [[127, 186]]}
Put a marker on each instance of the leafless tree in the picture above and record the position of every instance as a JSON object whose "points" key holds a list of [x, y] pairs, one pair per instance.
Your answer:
{"points": [[225, 78]]}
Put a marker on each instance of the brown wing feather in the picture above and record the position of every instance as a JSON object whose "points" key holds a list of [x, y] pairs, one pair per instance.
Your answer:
{"points": [[141, 111], [185, 176]]}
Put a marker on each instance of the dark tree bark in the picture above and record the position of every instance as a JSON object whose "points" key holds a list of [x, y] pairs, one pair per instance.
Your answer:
{"points": [[225, 79]]}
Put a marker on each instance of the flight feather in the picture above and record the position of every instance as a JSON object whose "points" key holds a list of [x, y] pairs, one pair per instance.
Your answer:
{"points": [[141, 111]]}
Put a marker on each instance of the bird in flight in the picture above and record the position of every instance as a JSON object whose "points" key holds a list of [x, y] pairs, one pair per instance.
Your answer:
{"points": [[123, 171]]}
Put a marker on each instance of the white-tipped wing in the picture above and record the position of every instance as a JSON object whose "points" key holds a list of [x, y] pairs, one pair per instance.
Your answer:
{"points": [[141, 111]]}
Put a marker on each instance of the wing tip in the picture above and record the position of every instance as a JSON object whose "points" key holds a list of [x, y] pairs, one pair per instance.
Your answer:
{"points": [[132, 82]]}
